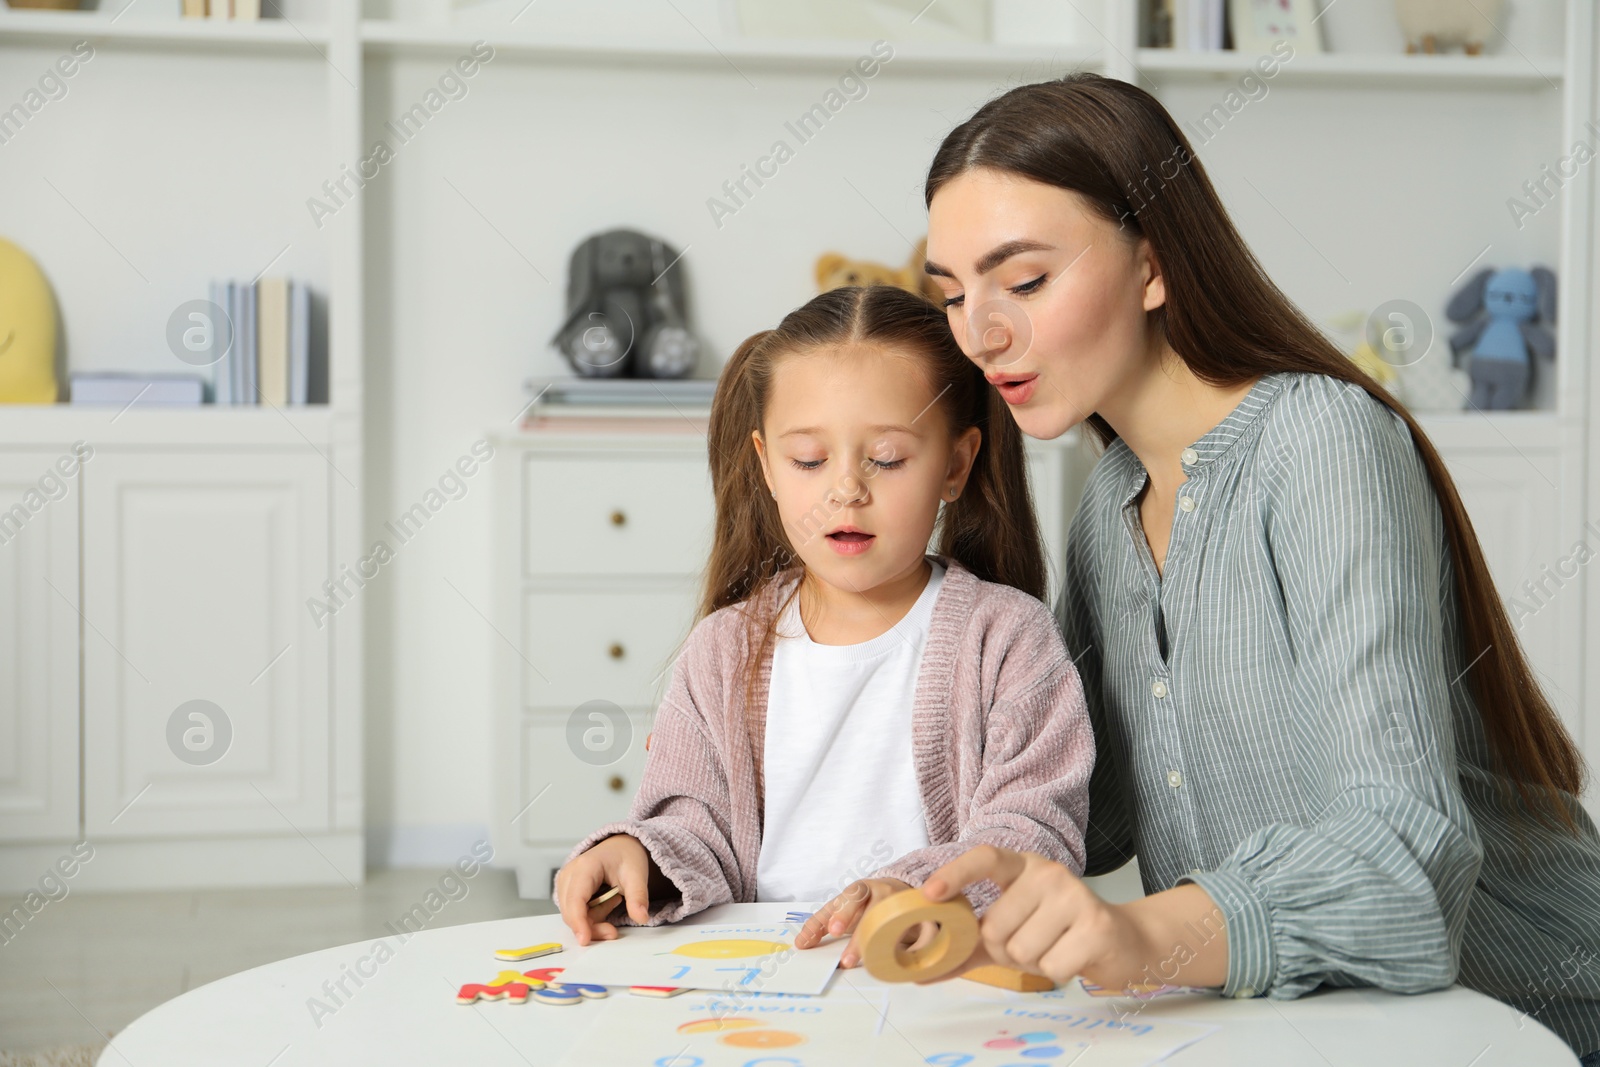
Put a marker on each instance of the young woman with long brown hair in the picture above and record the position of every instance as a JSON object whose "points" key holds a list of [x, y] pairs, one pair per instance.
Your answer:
{"points": [[1315, 724], [851, 711]]}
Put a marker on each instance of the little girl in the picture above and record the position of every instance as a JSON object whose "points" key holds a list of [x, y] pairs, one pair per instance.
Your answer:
{"points": [[847, 703]]}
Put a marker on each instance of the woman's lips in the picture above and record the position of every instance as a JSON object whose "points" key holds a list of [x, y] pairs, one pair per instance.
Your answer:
{"points": [[1017, 392], [850, 542]]}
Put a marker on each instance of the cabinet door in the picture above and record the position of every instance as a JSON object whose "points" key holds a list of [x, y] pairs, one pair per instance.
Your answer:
{"points": [[1520, 505], [563, 795], [38, 646], [198, 570]]}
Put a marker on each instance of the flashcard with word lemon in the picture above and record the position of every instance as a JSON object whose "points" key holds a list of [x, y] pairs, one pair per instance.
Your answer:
{"points": [[729, 957], [743, 1030]]}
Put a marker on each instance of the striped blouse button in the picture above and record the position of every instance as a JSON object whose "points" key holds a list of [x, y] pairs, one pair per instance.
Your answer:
{"points": [[1244, 992], [1186, 503], [1190, 457], [1158, 688], [1174, 779]]}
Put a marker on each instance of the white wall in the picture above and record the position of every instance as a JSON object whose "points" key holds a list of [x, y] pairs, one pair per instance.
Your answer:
{"points": [[470, 226], [469, 231]]}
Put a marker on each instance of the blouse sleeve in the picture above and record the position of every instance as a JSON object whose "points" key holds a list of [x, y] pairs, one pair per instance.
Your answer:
{"points": [[680, 812], [1374, 889], [1038, 750]]}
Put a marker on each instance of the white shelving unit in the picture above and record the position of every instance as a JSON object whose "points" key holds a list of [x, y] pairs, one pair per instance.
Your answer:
{"points": [[444, 274], [201, 535]]}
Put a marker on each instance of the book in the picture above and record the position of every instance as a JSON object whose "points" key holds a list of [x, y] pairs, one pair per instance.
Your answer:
{"points": [[235, 351], [299, 343], [247, 356], [222, 369], [122, 390], [249, 10], [194, 9], [272, 340], [218, 9]]}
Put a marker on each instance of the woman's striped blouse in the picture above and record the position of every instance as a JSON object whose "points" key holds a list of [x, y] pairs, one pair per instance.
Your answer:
{"points": [[1283, 717]]}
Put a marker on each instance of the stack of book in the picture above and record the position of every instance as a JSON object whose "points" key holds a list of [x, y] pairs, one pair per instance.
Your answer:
{"points": [[244, 10], [269, 361], [571, 401], [97, 388], [1191, 25]]}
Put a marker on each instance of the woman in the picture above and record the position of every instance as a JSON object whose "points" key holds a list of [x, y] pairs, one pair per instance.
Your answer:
{"points": [[1315, 723]]}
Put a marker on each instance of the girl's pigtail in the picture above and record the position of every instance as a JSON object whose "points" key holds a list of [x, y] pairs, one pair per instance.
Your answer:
{"points": [[748, 546]]}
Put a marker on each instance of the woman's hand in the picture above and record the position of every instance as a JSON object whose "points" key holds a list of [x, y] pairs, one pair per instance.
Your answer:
{"points": [[843, 914], [619, 860], [1047, 921]]}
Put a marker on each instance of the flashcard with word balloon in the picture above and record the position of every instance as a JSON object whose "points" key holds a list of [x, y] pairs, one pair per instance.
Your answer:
{"points": [[993, 1034]]}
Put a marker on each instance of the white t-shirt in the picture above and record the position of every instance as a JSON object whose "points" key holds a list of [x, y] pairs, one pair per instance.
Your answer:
{"points": [[842, 798]]}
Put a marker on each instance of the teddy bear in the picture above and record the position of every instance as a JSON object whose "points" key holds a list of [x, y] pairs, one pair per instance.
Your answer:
{"points": [[1432, 23], [834, 270]]}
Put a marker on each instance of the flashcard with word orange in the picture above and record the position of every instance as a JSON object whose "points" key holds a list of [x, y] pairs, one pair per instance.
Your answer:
{"points": [[726, 957], [721, 1030]]}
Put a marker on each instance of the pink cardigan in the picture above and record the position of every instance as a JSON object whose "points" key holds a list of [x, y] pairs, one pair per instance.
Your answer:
{"points": [[1000, 739]]}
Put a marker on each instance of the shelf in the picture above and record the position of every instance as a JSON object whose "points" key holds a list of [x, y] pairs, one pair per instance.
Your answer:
{"points": [[46, 426], [1386, 71], [405, 37], [383, 35], [276, 34]]}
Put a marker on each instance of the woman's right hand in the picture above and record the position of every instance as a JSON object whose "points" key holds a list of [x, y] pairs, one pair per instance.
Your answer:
{"points": [[619, 860]]}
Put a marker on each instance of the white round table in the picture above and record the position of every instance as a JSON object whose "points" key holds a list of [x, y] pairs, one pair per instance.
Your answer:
{"points": [[398, 1008]]}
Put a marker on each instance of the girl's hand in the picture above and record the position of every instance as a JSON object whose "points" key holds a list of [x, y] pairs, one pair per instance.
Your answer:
{"points": [[1047, 921], [619, 860], [843, 914]]}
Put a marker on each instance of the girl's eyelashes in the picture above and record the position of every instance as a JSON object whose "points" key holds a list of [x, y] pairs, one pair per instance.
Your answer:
{"points": [[881, 464], [1021, 290]]}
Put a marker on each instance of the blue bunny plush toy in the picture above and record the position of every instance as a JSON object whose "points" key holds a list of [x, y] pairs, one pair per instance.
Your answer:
{"points": [[1507, 312]]}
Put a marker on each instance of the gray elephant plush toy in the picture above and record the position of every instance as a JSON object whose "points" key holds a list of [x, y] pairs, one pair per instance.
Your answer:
{"points": [[1507, 313]]}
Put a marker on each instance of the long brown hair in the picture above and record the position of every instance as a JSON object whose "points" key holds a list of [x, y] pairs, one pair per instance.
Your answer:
{"points": [[989, 529], [1116, 146]]}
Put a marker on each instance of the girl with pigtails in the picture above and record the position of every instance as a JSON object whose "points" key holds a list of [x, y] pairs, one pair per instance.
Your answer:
{"points": [[849, 700]]}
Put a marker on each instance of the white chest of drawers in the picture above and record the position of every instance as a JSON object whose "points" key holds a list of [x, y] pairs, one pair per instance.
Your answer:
{"points": [[601, 533]]}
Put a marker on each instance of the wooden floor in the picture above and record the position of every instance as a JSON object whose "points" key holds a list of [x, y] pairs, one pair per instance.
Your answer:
{"points": [[88, 965]]}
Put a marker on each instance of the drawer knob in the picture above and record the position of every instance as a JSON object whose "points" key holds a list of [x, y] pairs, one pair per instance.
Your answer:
{"points": [[618, 518], [615, 783], [615, 651]]}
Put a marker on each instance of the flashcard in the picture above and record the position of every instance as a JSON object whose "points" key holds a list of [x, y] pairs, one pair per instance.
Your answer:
{"points": [[732, 957], [1137, 990], [981, 1033], [734, 1030]]}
